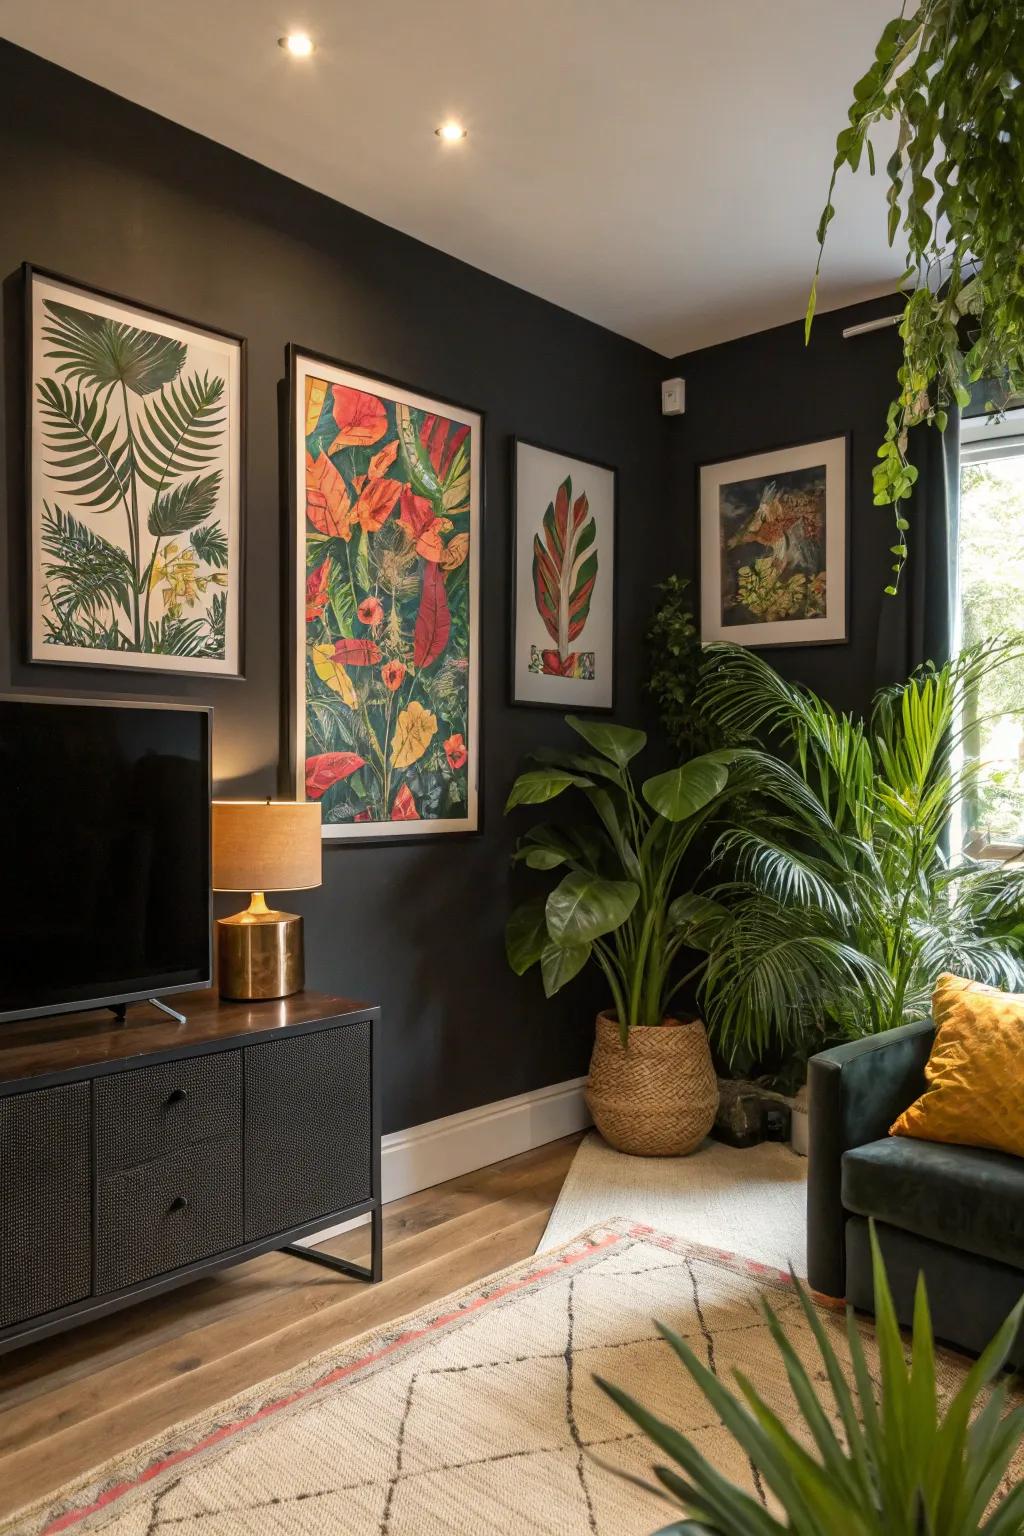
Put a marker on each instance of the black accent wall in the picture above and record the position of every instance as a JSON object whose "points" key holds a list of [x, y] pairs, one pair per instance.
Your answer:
{"points": [[112, 195], [770, 391]]}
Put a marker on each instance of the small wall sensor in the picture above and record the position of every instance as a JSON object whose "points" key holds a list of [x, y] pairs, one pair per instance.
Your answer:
{"points": [[673, 397]]}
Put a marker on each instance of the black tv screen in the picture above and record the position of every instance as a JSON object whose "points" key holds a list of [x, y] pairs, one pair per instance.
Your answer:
{"points": [[105, 832]]}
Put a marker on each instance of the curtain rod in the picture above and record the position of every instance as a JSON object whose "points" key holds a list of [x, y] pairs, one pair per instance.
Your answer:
{"points": [[871, 325]]}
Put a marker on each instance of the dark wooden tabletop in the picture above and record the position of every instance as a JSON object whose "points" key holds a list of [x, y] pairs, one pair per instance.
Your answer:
{"points": [[76, 1042]]}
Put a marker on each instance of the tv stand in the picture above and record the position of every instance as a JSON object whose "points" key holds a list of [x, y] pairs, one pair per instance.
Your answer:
{"points": [[139, 1154], [120, 1010]]}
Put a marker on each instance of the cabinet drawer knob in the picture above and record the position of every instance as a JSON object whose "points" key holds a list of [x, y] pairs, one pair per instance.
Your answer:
{"points": [[177, 1096], [179, 1203]]}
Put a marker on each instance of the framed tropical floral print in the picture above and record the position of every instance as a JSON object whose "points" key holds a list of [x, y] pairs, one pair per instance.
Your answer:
{"points": [[563, 580], [773, 546], [385, 491], [135, 428]]}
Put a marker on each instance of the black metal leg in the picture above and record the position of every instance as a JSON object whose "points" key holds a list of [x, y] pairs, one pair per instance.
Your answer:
{"points": [[346, 1266], [376, 1245]]}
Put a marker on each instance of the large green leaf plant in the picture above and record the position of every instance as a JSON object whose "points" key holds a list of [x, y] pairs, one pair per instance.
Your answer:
{"points": [[891, 1461], [613, 902]]}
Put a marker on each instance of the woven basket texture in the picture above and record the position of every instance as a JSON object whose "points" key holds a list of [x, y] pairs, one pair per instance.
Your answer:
{"points": [[657, 1096]]}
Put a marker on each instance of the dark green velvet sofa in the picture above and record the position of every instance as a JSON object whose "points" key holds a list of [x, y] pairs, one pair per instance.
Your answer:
{"points": [[954, 1213]]}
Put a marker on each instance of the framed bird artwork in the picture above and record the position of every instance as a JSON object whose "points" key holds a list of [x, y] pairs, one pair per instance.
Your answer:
{"points": [[773, 546]]}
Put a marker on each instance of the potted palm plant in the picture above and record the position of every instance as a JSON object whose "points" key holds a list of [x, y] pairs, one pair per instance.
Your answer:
{"points": [[652, 1088], [839, 903]]}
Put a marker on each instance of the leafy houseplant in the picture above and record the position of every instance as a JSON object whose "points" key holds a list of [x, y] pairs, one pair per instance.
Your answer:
{"points": [[840, 906], [678, 665], [612, 903], [126, 430], [901, 1466], [950, 75]]}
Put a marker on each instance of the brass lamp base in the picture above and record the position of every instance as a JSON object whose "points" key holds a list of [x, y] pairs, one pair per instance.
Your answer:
{"points": [[259, 953]]}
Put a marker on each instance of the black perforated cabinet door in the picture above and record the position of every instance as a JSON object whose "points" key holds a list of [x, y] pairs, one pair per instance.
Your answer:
{"points": [[307, 1128], [45, 1209]]}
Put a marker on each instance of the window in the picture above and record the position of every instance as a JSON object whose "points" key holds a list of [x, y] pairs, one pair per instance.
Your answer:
{"points": [[991, 602]]}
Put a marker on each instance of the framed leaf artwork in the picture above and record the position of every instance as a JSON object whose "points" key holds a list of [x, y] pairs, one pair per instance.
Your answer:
{"points": [[135, 466], [384, 584], [773, 546], [563, 580]]}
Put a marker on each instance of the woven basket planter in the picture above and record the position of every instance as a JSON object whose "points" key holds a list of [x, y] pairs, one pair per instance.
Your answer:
{"points": [[657, 1096]]}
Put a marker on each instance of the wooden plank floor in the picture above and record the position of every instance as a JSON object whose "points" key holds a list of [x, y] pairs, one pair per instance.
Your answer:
{"points": [[74, 1401]]}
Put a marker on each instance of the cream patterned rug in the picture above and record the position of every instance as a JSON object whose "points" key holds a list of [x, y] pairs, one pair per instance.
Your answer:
{"points": [[750, 1201], [477, 1416]]}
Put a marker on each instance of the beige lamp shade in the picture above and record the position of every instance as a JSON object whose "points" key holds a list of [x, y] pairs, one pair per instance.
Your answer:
{"points": [[266, 845]]}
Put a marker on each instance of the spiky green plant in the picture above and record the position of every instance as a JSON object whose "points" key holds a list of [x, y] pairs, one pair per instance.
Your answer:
{"points": [[891, 1463], [837, 904]]}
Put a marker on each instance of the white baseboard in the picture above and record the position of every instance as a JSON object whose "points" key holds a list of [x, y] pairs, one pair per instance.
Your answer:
{"points": [[429, 1154]]}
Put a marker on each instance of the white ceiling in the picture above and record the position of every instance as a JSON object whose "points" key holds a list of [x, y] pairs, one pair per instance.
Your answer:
{"points": [[655, 165]]}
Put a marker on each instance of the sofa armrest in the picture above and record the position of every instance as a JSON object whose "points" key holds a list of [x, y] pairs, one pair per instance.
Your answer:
{"points": [[855, 1092]]}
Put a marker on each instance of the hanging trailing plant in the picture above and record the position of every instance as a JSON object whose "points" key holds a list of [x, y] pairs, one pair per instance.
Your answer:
{"points": [[950, 75]]}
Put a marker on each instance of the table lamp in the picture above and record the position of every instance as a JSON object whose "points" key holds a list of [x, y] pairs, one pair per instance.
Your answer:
{"points": [[258, 846]]}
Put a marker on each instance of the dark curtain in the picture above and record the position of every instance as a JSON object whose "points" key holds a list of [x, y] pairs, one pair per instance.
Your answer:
{"points": [[918, 624]]}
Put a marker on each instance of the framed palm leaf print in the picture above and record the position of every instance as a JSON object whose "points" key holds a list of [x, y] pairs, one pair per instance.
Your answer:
{"points": [[563, 575], [384, 600], [135, 428]]}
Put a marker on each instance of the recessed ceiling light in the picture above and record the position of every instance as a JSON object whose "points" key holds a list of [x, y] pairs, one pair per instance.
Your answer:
{"points": [[451, 131], [298, 44]]}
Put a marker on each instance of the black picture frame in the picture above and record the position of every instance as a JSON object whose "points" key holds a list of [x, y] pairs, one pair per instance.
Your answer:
{"points": [[844, 434], [517, 442], [30, 272], [294, 518]]}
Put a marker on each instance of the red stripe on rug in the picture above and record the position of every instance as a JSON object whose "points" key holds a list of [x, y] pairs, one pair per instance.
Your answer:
{"points": [[111, 1495]]}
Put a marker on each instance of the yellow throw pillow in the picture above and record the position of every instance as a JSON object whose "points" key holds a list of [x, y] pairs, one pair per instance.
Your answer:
{"points": [[975, 1074]]}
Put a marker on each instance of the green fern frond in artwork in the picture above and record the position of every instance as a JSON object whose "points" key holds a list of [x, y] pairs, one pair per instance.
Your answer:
{"points": [[180, 430], [186, 506], [87, 450], [90, 349], [216, 622], [83, 569], [211, 545], [177, 637]]}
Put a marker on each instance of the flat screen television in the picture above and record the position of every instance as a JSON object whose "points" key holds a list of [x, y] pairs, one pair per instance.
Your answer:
{"points": [[104, 854]]}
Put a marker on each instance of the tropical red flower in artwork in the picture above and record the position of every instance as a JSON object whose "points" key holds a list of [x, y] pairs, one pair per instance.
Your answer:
{"points": [[392, 673], [363, 816], [455, 751], [327, 768], [360, 417], [382, 461], [420, 523], [370, 611], [316, 590], [404, 806], [376, 503]]}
